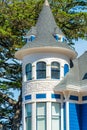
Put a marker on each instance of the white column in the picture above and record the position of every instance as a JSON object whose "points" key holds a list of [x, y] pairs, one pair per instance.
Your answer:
{"points": [[33, 72], [33, 116], [23, 116], [62, 117], [48, 71], [67, 115], [23, 73], [62, 71], [48, 115]]}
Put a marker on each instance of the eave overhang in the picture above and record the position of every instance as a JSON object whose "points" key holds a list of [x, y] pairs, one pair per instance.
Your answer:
{"points": [[46, 49]]}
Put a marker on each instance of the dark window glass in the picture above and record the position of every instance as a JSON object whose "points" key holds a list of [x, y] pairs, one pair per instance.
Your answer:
{"points": [[41, 70], [57, 37], [29, 71], [31, 38], [66, 69], [85, 76], [55, 70]]}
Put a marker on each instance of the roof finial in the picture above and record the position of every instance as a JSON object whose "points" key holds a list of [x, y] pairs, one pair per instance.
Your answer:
{"points": [[46, 3]]}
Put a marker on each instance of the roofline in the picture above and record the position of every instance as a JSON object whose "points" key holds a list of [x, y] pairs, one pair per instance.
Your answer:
{"points": [[22, 53]]}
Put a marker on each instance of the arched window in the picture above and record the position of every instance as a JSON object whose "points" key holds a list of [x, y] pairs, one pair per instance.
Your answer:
{"points": [[29, 38], [66, 69], [55, 70], [32, 37], [41, 70], [57, 37], [29, 71], [64, 39]]}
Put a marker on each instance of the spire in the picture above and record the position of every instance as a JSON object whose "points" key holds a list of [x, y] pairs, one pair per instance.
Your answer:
{"points": [[46, 3], [46, 27]]}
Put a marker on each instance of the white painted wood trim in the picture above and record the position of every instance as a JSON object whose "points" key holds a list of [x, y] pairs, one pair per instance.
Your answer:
{"points": [[62, 117], [67, 115], [23, 116], [33, 116], [48, 116]]}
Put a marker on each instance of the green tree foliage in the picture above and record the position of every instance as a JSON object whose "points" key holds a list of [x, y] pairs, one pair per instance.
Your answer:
{"points": [[16, 17]]}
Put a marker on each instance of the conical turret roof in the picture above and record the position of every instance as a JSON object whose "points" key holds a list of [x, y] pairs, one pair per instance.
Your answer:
{"points": [[46, 27]]}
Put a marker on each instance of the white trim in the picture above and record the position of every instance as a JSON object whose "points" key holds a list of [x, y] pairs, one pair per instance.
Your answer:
{"points": [[23, 116], [67, 115], [48, 115], [33, 116], [62, 117]]}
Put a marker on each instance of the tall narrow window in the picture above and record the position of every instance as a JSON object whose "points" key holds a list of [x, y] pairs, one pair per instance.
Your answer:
{"points": [[41, 116], [56, 120], [29, 71], [41, 70], [55, 70], [66, 69], [28, 118]]}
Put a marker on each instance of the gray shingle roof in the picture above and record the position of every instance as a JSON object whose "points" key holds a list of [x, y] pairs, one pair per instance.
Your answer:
{"points": [[74, 79], [45, 28], [32, 31]]}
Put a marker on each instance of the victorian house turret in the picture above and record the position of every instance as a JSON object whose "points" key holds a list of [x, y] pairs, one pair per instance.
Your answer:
{"points": [[54, 89]]}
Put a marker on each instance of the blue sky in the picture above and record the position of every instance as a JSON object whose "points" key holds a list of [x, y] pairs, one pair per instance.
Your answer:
{"points": [[80, 46]]}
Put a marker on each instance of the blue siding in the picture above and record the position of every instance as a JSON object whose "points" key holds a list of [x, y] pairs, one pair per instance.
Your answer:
{"points": [[56, 96], [38, 96], [84, 116], [74, 112]]}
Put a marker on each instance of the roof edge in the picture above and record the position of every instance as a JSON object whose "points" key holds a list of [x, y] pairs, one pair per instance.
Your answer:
{"points": [[23, 52]]}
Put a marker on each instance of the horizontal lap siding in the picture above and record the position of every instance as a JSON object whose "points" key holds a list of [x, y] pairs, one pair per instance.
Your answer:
{"points": [[74, 118], [84, 116]]}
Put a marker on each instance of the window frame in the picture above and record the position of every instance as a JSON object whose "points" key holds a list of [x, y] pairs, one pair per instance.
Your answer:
{"points": [[54, 70], [41, 72], [28, 71]]}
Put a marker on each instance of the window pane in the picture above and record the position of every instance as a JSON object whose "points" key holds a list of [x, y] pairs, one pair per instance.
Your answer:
{"points": [[56, 116], [41, 124], [28, 123], [56, 109], [41, 116], [29, 71], [41, 109], [55, 124], [55, 70], [28, 110], [41, 70]]}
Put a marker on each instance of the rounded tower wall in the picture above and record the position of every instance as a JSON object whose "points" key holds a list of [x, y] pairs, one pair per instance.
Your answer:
{"points": [[44, 84]]}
